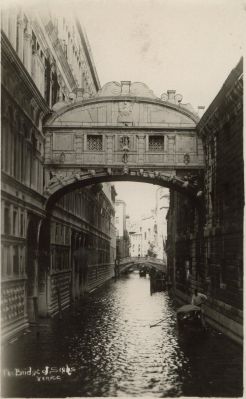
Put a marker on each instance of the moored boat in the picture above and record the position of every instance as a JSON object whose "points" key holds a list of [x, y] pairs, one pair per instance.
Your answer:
{"points": [[190, 318], [142, 273]]}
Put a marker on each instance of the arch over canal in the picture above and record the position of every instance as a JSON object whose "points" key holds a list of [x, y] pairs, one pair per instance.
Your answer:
{"points": [[149, 261], [124, 133]]}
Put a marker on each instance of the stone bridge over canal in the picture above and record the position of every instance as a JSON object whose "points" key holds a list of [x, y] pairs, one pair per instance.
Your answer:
{"points": [[126, 263], [123, 133]]}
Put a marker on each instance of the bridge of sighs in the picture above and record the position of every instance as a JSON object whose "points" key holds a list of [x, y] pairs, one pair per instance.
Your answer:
{"points": [[125, 132]]}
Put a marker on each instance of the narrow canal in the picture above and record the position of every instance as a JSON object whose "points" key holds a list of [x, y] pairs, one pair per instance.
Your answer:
{"points": [[106, 347]]}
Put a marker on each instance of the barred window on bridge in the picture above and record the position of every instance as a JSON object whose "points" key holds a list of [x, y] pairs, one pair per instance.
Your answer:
{"points": [[94, 142], [156, 143]]}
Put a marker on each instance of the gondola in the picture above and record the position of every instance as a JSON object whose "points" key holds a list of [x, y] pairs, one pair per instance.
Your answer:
{"points": [[157, 284], [190, 319], [142, 273]]}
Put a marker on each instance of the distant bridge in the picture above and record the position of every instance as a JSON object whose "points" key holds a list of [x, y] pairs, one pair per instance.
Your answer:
{"points": [[150, 262]]}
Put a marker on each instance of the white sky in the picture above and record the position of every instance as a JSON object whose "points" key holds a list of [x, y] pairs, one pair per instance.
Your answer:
{"points": [[139, 198], [187, 45]]}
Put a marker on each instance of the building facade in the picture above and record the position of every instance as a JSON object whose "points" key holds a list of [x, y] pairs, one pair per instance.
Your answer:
{"points": [[122, 240], [148, 228], [148, 235], [47, 259], [205, 240], [136, 243], [162, 205]]}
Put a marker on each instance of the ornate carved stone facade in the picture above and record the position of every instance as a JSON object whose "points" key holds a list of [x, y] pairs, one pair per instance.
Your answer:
{"points": [[124, 133], [45, 60]]}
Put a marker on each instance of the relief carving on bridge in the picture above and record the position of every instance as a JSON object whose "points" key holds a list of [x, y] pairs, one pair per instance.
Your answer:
{"points": [[192, 184], [125, 112], [186, 159], [125, 142]]}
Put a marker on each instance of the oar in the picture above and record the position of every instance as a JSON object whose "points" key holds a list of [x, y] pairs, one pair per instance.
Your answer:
{"points": [[156, 324]]}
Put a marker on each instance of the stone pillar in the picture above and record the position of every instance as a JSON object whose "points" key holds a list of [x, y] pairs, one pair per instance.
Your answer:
{"points": [[85, 142], [2, 218], [33, 68], [28, 50], [44, 265], [20, 28], [171, 149], [78, 138], [32, 299], [48, 147], [11, 227], [200, 150], [32, 268], [109, 148], [74, 277], [141, 148]]}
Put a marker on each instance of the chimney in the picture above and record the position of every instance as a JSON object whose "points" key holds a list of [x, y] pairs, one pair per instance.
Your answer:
{"points": [[170, 96], [200, 110]]}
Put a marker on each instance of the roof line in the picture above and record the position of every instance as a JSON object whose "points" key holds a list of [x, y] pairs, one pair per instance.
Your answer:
{"points": [[88, 54]]}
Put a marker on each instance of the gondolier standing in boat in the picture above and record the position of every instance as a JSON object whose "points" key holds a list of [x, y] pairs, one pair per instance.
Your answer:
{"points": [[198, 299]]}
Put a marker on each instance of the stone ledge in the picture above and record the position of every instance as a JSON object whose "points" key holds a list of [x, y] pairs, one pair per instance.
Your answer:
{"points": [[223, 323], [14, 330]]}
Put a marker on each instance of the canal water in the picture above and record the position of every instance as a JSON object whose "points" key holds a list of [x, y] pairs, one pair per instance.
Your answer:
{"points": [[106, 347]]}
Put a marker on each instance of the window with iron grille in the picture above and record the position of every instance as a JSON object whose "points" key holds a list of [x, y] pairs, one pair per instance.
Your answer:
{"points": [[156, 143], [94, 143]]}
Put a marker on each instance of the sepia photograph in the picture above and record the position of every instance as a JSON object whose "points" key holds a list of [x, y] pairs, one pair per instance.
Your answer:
{"points": [[122, 198]]}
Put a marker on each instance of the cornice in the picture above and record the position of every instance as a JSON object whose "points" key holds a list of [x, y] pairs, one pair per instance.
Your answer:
{"points": [[26, 204], [117, 128], [99, 100], [9, 54], [87, 226], [6, 179], [88, 55], [55, 48], [23, 111]]}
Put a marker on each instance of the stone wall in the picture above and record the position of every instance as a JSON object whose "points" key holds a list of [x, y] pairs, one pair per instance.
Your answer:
{"points": [[37, 272], [205, 239], [221, 129]]}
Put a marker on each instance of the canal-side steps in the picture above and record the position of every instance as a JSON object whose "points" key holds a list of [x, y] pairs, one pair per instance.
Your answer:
{"points": [[217, 316]]}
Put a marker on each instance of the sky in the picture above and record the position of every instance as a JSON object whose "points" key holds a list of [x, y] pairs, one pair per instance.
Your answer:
{"points": [[186, 45], [139, 198]]}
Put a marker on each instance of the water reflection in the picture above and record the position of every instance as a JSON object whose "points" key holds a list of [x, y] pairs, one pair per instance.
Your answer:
{"points": [[110, 343], [125, 355]]}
